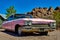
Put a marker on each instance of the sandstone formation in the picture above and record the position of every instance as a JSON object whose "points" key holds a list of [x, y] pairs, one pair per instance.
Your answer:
{"points": [[46, 13]]}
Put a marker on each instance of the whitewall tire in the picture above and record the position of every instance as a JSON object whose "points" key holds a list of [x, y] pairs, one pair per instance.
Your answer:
{"points": [[19, 31]]}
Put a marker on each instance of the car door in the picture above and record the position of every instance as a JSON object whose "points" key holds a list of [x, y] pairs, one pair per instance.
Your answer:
{"points": [[9, 22], [8, 25]]}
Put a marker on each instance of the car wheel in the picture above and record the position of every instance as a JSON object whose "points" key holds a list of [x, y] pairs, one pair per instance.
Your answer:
{"points": [[19, 31], [44, 33]]}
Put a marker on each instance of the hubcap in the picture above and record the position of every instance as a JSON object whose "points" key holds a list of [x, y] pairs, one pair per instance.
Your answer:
{"points": [[19, 31]]}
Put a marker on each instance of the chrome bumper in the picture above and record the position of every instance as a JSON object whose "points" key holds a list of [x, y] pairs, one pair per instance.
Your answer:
{"points": [[36, 29]]}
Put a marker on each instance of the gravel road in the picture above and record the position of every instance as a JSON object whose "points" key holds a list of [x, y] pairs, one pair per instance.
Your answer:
{"points": [[5, 35]]}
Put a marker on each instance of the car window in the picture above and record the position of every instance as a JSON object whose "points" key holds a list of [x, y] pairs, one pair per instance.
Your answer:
{"points": [[10, 18], [24, 16], [17, 17]]}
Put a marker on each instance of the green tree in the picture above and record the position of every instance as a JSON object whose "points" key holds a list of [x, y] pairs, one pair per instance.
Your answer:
{"points": [[10, 11], [56, 16]]}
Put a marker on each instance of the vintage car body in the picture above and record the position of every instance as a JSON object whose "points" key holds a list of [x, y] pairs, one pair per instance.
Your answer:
{"points": [[29, 25]]}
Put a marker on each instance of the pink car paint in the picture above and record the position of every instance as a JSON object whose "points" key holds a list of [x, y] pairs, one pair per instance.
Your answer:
{"points": [[10, 25]]}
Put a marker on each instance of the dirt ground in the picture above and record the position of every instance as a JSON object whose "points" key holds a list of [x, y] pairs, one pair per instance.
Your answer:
{"points": [[6, 35]]}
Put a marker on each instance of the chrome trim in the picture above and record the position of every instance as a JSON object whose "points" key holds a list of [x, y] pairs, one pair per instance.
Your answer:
{"points": [[28, 22]]}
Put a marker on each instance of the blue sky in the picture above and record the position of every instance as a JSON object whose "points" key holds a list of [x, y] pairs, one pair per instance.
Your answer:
{"points": [[23, 6]]}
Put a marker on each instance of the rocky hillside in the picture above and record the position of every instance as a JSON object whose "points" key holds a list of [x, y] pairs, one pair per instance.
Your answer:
{"points": [[46, 13]]}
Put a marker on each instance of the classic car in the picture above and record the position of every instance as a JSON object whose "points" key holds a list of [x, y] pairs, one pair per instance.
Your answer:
{"points": [[27, 23]]}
